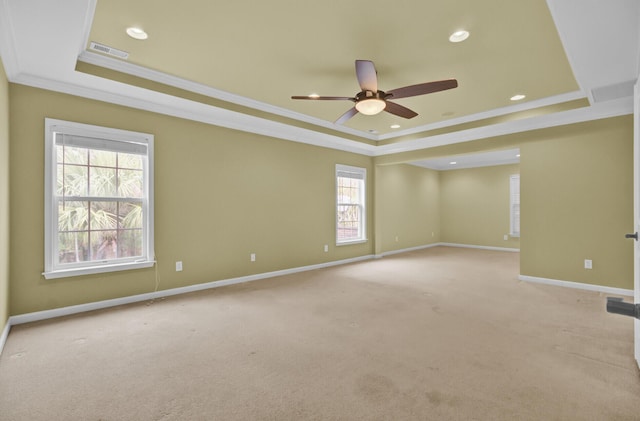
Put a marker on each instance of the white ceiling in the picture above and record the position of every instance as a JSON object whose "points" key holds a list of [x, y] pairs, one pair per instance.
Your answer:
{"points": [[41, 42]]}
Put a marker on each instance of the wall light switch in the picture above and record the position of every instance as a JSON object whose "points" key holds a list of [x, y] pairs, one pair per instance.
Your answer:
{"points": [[588, 264], [326, 248], [178, 266], [253, 257]]}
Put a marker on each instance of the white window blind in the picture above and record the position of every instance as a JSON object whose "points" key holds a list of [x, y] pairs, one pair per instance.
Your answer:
{"points": [[514, 203], [350, 204]]}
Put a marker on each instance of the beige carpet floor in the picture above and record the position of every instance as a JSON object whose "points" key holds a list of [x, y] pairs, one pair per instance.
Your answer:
{"points": [[436, 334]]}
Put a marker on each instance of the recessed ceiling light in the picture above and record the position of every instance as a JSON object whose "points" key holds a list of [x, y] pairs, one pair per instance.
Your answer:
{"points": [[452, 163], [459, 36], [518, 156], [518, 97], [137, 33], [395, 126]]}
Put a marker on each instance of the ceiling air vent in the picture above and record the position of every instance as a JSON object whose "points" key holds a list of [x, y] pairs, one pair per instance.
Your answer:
{"points": [[108, 50], [615, 91]]}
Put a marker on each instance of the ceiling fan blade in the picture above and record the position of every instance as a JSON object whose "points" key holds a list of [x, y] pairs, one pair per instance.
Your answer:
{"points": [[399, 110], [346, 116], [423, 88], [324, 98], [367, 75]]}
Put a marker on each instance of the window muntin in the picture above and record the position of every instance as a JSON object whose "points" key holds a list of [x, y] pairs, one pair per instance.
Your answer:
{"points": [[99, 207], [350, 204], [514, 205]]}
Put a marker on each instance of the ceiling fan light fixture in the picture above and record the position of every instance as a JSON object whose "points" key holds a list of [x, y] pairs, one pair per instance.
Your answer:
{"points": [[459, 36], [371, 106]]}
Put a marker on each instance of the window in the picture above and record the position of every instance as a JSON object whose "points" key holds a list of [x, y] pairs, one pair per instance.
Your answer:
{"points": [[514, 203], [350, 204], [98, 199]]}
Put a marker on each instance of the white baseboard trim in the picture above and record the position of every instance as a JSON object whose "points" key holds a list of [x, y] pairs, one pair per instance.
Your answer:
{"points": [[392, 252], [577, 285], [472, 246], [5, 335], [81, 308]]}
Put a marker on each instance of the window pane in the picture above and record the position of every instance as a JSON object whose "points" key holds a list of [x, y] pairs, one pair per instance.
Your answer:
{"points": [[104, 245], [348, 190], [72, 155], [130, 215], [72, 180], [348, 222], [104, 216], [130, 243], [73, 216], [102, 181], [131, 161], [130, 183], [73, 247], [101, 158]]}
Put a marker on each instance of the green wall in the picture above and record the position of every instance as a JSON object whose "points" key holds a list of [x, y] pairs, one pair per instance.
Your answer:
{"points": [[223, 194], [474, 206], [219, 196], [407, 207], [4, 198], [577, 203]]}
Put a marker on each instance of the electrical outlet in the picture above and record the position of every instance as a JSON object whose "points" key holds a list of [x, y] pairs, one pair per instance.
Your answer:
{"points": [[178, 266], [253, 257], [396, 238], [326, 248], [506, 237], [588, 264]]}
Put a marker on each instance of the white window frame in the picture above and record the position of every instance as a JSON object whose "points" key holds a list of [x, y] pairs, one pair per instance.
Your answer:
{"points": [[52, 268], [359, 174], [514, 205]]}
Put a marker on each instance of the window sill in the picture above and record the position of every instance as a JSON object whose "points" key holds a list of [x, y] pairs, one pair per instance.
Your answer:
{"points": [[514, 235], [97, 269], [348, 243]]}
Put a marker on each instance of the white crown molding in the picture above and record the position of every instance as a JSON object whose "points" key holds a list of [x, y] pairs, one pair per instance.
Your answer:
{"points": [[598, 111], [160, 77], [192, 110], [497, 112], [177, 82], [121, 94]]}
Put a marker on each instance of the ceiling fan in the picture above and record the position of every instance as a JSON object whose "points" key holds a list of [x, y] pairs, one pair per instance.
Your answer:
{"points": [[371, 101]]}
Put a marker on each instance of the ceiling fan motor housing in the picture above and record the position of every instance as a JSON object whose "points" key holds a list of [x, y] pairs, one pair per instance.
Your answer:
{"points": [[360, 96]]}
